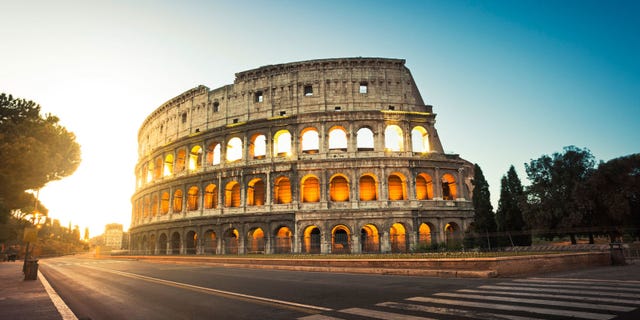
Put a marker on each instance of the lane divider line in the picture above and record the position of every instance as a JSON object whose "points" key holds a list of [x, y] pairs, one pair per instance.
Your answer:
{"points": [[216, 291], [62, 307]]}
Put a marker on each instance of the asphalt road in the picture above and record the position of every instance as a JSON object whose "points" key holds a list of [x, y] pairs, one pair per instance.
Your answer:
{"points": [[124, 289]]}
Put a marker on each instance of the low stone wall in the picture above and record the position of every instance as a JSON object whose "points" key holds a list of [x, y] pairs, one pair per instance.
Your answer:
{"points": [[462, 267]]}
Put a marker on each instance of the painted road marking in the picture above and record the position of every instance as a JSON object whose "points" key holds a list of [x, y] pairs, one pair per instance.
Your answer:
{"points": [[572, 286], [381, 314], [452, 312], [62, 307], [555, 296], [578, 292]]}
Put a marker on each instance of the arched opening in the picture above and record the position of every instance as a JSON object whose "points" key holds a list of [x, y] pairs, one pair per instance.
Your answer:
{"points": [[398, 238], [149, 167], [168, 165], [397, 187], [152, 244], [231, 241], [162, 244], [191, 242], [449, 189], [425, 235], [452, 234], [393, 140], [368, 188], [210, 196], [147, 206], [282, 190], [338, 139], [282, 144], [175, 243], [181, 158], [195, 158], [255, 241], [311, 241], [145, 245], [369, 239], [419, 140], [310, 189], [164, 203], [192, 198], [213, 153], [154, 205], [339, 189], [157, 169], [232, 194], [258, 146], [234, 149], [340, 240], [177, 201], [283, 240], [210, 243], [424, 187], [255, 192], [364, 139], [310, 141]]}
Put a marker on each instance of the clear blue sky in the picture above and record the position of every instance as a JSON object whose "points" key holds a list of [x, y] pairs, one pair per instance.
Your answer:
{"points": [[509, 80]]}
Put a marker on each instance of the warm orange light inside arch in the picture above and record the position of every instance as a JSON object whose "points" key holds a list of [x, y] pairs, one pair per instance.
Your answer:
{"points": [[177, 201], [368, 188], [255, 192], [192, 198], [211, 196], [424, 187], [424, 234], [168, 165], [397, 237], [310, 189], [282, 190], [195, 158], [449, 188], [397, 187], [339, 189], [164, 203], [232, 194]]}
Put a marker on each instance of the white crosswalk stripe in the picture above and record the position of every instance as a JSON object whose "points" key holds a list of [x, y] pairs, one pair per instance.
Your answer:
{"points": [[520, 299]]}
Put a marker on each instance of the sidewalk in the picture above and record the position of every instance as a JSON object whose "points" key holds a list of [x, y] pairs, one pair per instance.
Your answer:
{"points": [[21, 299]]}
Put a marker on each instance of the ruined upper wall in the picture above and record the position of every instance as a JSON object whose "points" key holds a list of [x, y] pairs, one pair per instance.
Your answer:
{"points": [[283, 90]]}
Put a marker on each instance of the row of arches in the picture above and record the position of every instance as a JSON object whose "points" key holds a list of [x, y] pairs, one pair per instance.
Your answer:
{"points": [[339, 239], [194, 158], [368, 188]]}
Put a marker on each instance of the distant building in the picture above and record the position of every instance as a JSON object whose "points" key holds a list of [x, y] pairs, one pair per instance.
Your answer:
{"points": [[113, 236]]}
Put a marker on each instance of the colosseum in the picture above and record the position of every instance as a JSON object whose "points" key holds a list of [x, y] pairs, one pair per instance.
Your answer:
{"points": [[320, 156]]}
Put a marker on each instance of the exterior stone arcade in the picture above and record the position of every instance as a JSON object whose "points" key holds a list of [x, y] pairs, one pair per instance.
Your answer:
{"points": [[321, 156]]}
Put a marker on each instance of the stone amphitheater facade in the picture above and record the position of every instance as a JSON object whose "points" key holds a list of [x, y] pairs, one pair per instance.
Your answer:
{"points": [[321, 156]]}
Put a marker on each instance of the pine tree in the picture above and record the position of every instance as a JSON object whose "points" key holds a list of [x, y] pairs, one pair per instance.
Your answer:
{"points": [[485, 223], [509, 216]]}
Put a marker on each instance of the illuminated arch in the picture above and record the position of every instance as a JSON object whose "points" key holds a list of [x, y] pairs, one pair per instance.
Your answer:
{"points": [[191, 242], [258, 146], [181, 157], [157, 168], [154, 205], [232, 194], [398, 238], [195, 158], [193, 196], [230, 239], [164, 203], [149, 171], [282, 143], [213, 153], [369, 239], [210, 196], [424, 187], [339, 188], [419, 140], [234, 149], [397, 187], [310, 141], [147, 205], [340, 239], [453, 235], [255, 192], [449, 189], [425, 236], [255, 241], [310, 189], [364, 139], [393, 138], [282, 190], [210, 243], [177, 201], [337, 138], [283, 240], [312, 239], [368, 188], [168, 165]]}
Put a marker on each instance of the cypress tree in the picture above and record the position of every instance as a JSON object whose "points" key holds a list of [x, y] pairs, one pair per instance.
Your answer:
{"points": [[485, 223], [509, 218]]}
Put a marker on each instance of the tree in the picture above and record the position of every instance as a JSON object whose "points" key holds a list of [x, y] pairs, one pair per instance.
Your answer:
{"points": [[610, 197], [34, 150], [552, 208], [86, 234], [484, 220], [509, 217]]}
